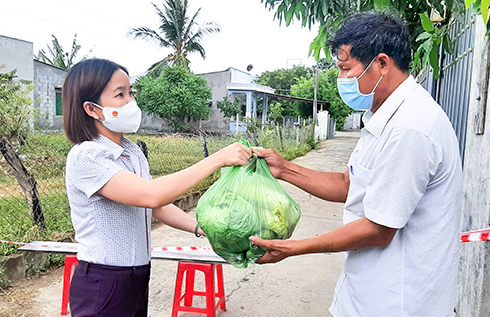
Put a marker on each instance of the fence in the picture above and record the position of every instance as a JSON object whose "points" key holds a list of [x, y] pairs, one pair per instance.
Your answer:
{"points": [[452, 89], [326, 126], [44, 156], [289, 121]]}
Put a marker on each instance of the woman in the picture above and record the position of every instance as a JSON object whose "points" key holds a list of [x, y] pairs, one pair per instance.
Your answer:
{"points": [[112, 195]]}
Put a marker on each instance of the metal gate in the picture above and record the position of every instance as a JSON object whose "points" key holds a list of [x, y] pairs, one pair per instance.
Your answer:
{"points": [[452, 89]]}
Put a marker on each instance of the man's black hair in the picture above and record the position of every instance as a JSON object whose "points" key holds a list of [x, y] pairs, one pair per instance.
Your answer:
{"points": [[371, 33]]}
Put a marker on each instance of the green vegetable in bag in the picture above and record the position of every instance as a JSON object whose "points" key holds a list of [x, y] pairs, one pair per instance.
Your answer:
{"points": [[245, 201]]}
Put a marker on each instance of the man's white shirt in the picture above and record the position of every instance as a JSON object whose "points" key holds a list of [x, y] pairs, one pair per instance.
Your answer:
{"points": [[405, 173]]}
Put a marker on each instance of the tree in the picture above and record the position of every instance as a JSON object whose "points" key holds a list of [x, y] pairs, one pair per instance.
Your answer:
{"points": [[176, 96], [253, 126], [327, 91], [57, 55], [16, 112], [282, 80], [427, 34], [229, 108], [178, 32], [16, 115], [276, 115]]}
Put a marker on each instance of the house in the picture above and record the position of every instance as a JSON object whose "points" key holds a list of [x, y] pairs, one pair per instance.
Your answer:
{"points": [[234, 83], [47, 80], [231, 82]]}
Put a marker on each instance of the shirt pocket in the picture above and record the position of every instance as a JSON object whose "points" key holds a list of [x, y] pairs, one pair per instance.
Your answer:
{"points": [[359, 180], [359, 171]]}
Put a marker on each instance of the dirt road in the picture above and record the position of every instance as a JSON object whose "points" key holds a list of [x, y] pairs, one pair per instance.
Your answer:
{"points": [[299, 286]]}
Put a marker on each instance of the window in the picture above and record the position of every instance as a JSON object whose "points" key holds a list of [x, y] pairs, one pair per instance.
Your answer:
{"points": [[59, 108]]}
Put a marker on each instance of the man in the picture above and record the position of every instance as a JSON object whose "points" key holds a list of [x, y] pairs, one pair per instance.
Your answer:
{"points": [[402, 188]]}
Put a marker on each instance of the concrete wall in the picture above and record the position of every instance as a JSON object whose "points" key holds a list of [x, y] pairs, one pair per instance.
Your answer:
{"points": [[217, 82], [238, 76], [18, 54], [474, 271], [47, 81], [15, 53]]}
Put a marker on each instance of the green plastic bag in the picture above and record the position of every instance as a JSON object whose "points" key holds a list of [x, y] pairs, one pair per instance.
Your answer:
{"points": [[246, 201]]}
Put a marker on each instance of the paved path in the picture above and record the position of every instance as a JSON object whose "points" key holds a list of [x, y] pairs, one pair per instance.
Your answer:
{"points": [[299, 286]]}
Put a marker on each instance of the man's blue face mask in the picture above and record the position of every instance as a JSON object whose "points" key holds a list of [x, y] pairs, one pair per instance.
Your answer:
{"points": [[352, 96]]}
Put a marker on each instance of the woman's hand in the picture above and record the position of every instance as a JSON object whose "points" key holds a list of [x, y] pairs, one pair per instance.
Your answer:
{"points": [[234, 154]]}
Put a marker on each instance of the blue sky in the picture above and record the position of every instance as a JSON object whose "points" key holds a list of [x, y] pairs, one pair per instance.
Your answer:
{"points": [[249, 34]]}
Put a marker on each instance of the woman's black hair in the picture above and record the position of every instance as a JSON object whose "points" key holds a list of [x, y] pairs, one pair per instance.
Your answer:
{"points": [[84, 82], [371, 33]]}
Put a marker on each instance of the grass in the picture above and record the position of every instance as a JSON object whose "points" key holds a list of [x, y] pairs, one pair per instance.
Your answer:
{"points": [[170, 154], [44, 156], [15, 303]]}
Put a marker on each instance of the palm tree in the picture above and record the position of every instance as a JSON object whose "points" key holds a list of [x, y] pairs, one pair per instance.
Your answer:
{"points": [[177, 31], [58, 57]]}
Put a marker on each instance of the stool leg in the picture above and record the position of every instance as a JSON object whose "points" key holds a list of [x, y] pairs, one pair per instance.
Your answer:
{"points": [[209, 270], [178, 291], [210, 299], [189, 287], [70, 261], [221, 288]]}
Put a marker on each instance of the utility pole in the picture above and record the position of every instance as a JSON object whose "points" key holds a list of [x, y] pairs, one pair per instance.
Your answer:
{"points": [[314, 95]]}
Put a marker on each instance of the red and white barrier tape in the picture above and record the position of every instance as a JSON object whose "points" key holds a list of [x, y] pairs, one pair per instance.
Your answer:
{"points": [[65, 245], [191, 253], [10, 242], [477, 235], [43, 244], [469, 236], [50, 244], [185, 249]]}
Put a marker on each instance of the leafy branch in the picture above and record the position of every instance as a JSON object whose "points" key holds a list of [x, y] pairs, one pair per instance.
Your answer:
{"points": [[431, 39], [479, 6], [427, 35]]}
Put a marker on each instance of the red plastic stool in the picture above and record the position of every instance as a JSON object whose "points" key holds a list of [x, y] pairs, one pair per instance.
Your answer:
{"points": [[70, 261], [208, 270]]}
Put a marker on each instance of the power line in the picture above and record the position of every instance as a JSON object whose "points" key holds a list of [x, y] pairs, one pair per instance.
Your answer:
{"points": [[307, 88], [69, 27], [95, 14]]}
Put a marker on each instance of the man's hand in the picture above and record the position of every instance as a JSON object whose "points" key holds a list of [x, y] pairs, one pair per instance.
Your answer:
{"points": [[275, 162], [277, 250]]}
